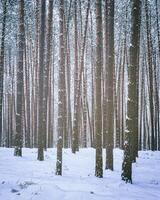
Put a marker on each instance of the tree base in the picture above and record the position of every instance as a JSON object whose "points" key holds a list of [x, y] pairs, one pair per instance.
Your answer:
{"points": [[40, 154], [18, 151], [126, 179]]}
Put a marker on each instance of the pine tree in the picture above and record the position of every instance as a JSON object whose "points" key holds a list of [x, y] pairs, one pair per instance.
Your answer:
{"points": [[36, 69], [47, 81], [78, 79], [20, 82], [41, 123], [131, 121], [150, 70], [2, 62], [61, 90], [110, 77], [98, 111], [75, 135]]}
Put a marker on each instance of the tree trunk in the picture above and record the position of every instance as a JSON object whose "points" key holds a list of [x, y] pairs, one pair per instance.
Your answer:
{"points": [[110, 106], [132, 110], [61, 90], [98, 76], [2, 63], [41, 124], [20, 82]]}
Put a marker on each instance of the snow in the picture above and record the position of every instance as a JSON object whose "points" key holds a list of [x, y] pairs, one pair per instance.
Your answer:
{"points": [[27, 178]]}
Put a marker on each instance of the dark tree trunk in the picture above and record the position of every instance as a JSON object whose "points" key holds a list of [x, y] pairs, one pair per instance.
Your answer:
{"points": [[150, 66], [20, 82], [61, 90], [47, 79], [36, 66], [132, 110], [110, 106], [41, 126], [98, 76]]}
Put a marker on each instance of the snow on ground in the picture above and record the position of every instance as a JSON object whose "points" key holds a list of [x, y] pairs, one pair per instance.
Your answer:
{"points": [[28, 179]]}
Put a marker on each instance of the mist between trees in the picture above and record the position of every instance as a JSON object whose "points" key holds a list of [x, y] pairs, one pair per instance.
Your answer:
{"points": [[77, 74]]}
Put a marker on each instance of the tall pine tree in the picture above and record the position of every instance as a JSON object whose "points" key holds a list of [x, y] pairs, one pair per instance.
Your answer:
{"points": [[20, 82], [98, 75], [132, 109]]}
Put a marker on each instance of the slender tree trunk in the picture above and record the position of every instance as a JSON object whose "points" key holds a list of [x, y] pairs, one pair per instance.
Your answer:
{"points": [[41, 124], [36, 64], [20, 82], [157, 23], [132, 113], [93, 86], [47, 78], [61, 90], [105, 95], [75, 136], [2, 63], [75, 119], [84, 143], [98, 111], [110, 113], [150, 66]]}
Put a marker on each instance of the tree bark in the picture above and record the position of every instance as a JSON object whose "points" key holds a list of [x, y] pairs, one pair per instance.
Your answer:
{"points": [[132, 110], [98, 76], [20, 82]]}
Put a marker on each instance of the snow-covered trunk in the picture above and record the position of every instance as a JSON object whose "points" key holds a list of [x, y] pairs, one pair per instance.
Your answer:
{"points": [[2, 63], [98, 76], [131, 131], [61, 90], [20, 82]]}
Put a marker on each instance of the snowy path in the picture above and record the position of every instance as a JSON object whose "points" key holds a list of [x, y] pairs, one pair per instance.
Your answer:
{"points": [[28, 179]]}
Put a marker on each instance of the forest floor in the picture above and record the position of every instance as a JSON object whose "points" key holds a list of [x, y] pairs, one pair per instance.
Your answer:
{"points": [[28, 179]]}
